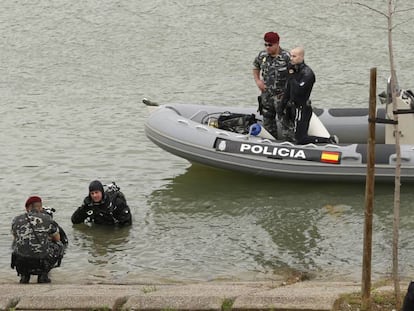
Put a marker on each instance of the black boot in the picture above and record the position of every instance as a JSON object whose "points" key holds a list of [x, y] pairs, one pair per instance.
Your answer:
{"points": [[43, 278], [24, 278]]}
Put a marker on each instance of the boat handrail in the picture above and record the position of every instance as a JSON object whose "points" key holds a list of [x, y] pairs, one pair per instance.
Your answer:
{"points": [[173, 109], [310, 145], [201, 127], [267, 140], [245, 137], [197, 113], [288, 143], [182, 121], [333, 146], [351, 157], [393, 158]]}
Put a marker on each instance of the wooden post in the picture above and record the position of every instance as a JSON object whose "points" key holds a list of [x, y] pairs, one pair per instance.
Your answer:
{"points": [[369, 195]]}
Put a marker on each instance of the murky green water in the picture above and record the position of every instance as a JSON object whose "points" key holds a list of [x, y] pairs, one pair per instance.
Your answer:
{"points": [[72, 79]]}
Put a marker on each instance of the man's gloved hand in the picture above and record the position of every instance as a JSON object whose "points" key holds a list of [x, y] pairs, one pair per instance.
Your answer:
{"points": [[260, 106], [13, 261], [290, 111]]}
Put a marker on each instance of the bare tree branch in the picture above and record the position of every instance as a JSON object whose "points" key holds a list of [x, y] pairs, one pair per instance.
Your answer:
{"points": [[404, 10], [395, 10], [396, 25], [370, 8], [392, 12], [394, 7]]}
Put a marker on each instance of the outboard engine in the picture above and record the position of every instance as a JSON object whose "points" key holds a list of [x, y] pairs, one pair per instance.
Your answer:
{"points": [[408, 97], [405, 107]]}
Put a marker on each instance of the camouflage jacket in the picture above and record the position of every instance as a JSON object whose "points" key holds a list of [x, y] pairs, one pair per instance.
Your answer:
{"points": [[32, 239], [273, 70]]}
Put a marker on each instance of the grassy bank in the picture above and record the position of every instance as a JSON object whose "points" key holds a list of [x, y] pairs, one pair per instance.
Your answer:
{"points": [[382, 298]]}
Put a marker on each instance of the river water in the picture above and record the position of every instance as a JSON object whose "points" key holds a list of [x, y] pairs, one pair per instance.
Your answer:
{"points": [[73, 75]]}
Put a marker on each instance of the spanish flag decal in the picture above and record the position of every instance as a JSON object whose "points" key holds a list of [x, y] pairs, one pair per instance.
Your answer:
{"points": [[331, 157]]}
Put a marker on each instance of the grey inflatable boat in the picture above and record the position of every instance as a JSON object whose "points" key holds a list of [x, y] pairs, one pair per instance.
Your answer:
{"points": [[191, 132]]}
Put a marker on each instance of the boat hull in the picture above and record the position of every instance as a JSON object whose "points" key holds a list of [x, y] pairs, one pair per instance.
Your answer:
{"points": [[178, 129]]}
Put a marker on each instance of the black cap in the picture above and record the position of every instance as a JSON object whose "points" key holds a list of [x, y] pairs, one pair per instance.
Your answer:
{"points": [[96, 185]]}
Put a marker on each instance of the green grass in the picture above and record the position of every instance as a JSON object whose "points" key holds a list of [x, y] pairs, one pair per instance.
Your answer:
{"points": [[149, 289], [380, 301], [102, 309], [227, 304]]}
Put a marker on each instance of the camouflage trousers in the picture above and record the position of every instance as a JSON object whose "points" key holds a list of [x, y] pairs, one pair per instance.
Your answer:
{"points": [[38, 265], [268, 108], [287, 124]]}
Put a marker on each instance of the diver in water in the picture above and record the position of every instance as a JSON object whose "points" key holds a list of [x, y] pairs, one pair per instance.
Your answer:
{"points": [[103, 207]]}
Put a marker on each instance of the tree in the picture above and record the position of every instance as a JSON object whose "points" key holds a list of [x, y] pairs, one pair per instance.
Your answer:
{"points": [[391, 11]]}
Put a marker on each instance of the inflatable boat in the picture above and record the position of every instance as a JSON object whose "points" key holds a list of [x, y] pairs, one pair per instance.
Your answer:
{"points": [[192, 132]]}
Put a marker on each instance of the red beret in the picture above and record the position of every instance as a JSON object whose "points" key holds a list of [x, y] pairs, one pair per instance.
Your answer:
{"points": [[33, 199], [271, 37]]}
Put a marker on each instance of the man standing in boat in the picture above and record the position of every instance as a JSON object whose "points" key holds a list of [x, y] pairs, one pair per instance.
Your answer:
{"points": [[272, 64], [298, 89]]}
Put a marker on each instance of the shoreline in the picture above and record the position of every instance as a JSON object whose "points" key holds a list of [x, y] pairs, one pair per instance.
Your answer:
{"points": [[214, 295]]}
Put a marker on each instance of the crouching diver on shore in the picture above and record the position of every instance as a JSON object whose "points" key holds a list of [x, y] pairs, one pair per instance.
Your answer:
{"points": [[103, 207], [37, 247]]}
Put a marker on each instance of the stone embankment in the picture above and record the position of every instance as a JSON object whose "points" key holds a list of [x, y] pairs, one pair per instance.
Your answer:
{"points": [[309, 295]]}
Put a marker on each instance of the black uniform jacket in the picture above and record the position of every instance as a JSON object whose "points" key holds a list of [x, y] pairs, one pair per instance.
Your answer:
{"points": [[298, 86]]}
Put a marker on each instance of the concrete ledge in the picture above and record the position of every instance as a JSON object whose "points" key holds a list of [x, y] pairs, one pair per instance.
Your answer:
{"points": [[8, 301], [197, 296], [67, 302], [299, 296], [66, 297], [174, 303]]}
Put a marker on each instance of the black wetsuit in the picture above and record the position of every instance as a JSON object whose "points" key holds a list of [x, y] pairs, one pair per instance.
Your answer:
{"points": [[112, 210], [298, 89]]}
